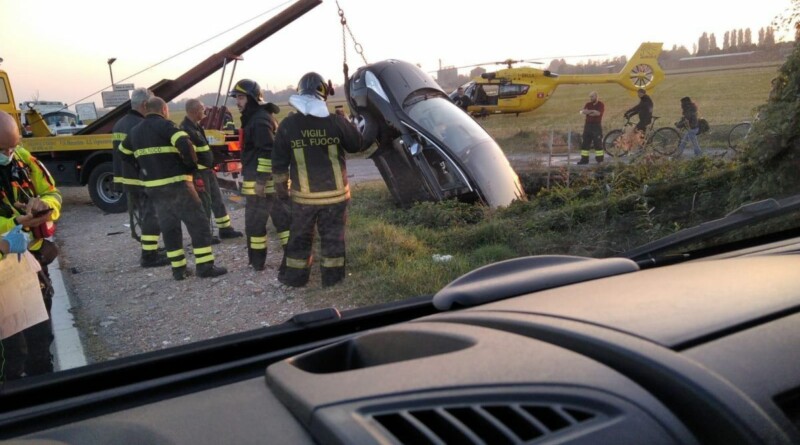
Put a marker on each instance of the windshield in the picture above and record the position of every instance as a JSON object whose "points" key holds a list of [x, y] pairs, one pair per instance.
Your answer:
{"points": [[441, 118], [136, 269], [466, 140]]}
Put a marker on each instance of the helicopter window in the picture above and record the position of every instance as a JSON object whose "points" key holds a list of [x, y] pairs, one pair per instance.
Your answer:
{"points": [[512, 90], [486, 95]]}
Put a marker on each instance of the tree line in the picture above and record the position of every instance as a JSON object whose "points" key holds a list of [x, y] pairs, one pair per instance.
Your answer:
{"points": [[735, 40]]}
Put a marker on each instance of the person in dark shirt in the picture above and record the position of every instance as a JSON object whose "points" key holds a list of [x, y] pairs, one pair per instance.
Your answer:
{"points": [[690, 122], [644, 109], [461, 100], [592, 129]]}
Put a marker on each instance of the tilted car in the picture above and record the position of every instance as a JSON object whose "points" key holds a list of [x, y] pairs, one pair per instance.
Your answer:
{"points": [[428, 148]]}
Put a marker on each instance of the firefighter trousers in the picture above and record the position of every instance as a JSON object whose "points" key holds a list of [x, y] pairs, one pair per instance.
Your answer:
{"points": [[176, 203], [258, 210], [218, 209], [140, 204], [329, 220]]}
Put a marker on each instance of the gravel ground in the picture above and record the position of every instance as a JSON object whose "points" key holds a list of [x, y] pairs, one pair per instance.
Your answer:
{"points": [[121, 309]]}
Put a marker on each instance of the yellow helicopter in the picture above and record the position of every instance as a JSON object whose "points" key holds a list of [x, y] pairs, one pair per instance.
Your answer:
{"points": [[518, 90]]}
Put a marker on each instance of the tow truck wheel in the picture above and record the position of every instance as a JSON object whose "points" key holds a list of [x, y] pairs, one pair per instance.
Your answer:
{"points": [[101, 190]]}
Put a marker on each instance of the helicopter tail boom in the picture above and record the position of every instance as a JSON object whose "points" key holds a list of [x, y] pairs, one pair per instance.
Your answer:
{"points": [[641, 71]]}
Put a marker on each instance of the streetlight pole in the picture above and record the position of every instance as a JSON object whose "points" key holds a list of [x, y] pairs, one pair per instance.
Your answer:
{"points": [[110, 61]]}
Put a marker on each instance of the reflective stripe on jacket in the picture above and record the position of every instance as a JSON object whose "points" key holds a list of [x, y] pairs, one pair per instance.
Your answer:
{"points": [[257, 135], [125, 172], [35, 181], [311, 152], [163, 152], [205, 157]]}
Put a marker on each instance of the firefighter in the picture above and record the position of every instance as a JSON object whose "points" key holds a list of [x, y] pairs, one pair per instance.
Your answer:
{"points": [[310, 151], [166, 161], [257, 137], [126, 176], [205, 179], [29, 197]]}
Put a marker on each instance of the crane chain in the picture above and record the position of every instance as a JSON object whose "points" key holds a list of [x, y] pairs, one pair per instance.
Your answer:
{"points": [[345, 27]]}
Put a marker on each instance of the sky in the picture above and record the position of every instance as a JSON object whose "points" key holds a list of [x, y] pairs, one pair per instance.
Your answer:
{"points": [[59, 51]]}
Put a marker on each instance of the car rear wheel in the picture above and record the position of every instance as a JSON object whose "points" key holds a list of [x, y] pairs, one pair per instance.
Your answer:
{"points": [[368, 127]]}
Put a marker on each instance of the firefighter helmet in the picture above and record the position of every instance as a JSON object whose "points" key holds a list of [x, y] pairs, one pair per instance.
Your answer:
{"points": [[248, 88], [313, 84]]}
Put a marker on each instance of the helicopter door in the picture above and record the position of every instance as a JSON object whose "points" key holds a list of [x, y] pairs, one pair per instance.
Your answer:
{"points": [[510, 95]]}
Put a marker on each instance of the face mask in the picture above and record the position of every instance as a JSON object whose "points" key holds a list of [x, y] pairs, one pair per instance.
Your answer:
{"points": [[5, 160]]}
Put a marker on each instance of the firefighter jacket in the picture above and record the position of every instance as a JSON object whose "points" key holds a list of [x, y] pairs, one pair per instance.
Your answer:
{"points": [[310, 151], [162, 153], [257, 134], [24, 178], [125, 173], [205, 157]]}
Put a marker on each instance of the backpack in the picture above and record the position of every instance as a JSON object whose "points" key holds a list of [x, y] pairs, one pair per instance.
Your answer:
{"points": [[702, 124]]}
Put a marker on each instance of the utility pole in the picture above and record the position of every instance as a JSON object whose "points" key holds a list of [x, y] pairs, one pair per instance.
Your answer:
{"points": [[110, 61]]}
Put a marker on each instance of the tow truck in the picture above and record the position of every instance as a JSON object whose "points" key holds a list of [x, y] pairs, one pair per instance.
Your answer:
{"points": [[84, 158]]}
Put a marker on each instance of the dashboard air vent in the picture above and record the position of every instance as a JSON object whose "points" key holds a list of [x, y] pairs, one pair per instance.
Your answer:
{"points": [[510, 423]]}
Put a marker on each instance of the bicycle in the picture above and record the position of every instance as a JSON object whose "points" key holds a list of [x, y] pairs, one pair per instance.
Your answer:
{"points": [[739, 134], [664, 140]]}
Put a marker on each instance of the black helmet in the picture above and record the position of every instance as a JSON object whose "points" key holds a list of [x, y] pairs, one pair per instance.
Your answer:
{"points": [[248, 88], [313, 84]]}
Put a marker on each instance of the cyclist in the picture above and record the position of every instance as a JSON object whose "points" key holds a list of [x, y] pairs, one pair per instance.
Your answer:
{"points": [[644, 109]]}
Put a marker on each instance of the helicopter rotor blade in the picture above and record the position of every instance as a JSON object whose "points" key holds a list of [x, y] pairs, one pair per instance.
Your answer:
{"points": [[534, 60], [572, 56]]}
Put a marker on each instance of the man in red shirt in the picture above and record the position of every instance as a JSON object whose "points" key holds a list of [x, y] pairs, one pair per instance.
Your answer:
{"points": [[592, 129]]}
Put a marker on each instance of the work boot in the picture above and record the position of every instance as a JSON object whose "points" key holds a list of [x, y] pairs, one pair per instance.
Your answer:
{"points": [[215, 240], [179, 273], [584, 160], [228, 232], [209, 270], [599, 159], [258, 258], [152, 258]]}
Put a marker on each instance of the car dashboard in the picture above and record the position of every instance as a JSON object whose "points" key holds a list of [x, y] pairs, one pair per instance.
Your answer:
{"points": [[706, 351]]}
